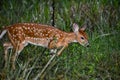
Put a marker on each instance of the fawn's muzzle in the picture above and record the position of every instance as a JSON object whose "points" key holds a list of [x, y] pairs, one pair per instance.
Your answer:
{"points": [[87, 44]]}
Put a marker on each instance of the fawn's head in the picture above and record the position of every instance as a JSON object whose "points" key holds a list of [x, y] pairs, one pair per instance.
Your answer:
{"points": [[81, 36]]}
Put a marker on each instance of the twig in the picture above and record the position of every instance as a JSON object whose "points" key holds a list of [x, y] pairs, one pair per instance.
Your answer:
{"points": [[103, 35], [58, 53], [52, 8], [39, 74]]}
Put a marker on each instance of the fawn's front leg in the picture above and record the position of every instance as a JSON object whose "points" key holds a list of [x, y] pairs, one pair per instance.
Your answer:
{"points": [[57, 44], [52, 46], [7, 45]]}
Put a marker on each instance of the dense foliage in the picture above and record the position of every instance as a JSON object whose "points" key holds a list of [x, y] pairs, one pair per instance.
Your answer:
{"points": [[101, 61]]}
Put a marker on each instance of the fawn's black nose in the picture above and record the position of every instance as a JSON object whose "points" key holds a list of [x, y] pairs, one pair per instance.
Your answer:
{"points": [[87, 45]]}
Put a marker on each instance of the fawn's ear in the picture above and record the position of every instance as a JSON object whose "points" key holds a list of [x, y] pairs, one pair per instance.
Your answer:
{"points": [[83, 27], [75, 28]]}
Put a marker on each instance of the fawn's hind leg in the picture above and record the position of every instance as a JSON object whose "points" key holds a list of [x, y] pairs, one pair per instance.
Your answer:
{"points": [[18, 49], [7, 45]]}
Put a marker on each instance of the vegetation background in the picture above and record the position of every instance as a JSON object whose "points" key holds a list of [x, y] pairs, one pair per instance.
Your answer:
{"points": [[101, 61]]}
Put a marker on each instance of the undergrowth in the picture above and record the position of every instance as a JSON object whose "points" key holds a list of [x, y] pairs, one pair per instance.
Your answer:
{"points": [[101, 61]]}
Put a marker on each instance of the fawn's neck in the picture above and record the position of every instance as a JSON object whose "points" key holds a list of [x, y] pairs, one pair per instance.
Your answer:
{"points": [[71, 37]]}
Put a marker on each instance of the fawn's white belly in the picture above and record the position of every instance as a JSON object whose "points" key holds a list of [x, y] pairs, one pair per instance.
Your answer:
{"points": [[38, 41]]}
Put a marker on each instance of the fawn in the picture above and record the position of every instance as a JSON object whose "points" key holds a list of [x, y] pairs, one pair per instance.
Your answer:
{"points": [[21, 34]]}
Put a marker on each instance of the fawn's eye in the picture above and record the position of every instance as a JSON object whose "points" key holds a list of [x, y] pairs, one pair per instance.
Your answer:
{"points": [[82, 38]]}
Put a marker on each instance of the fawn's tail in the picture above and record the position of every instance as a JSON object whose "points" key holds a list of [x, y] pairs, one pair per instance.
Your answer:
{"points": [[3, 33]]}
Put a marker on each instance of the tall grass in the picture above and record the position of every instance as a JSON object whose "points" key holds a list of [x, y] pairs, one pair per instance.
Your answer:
{"points": [[98, 62]]}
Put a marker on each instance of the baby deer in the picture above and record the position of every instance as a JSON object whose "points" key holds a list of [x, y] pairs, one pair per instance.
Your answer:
{"points": [[22, 34]]}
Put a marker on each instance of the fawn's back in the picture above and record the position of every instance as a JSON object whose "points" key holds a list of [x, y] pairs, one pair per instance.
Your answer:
{"points": [[36, 34]]}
